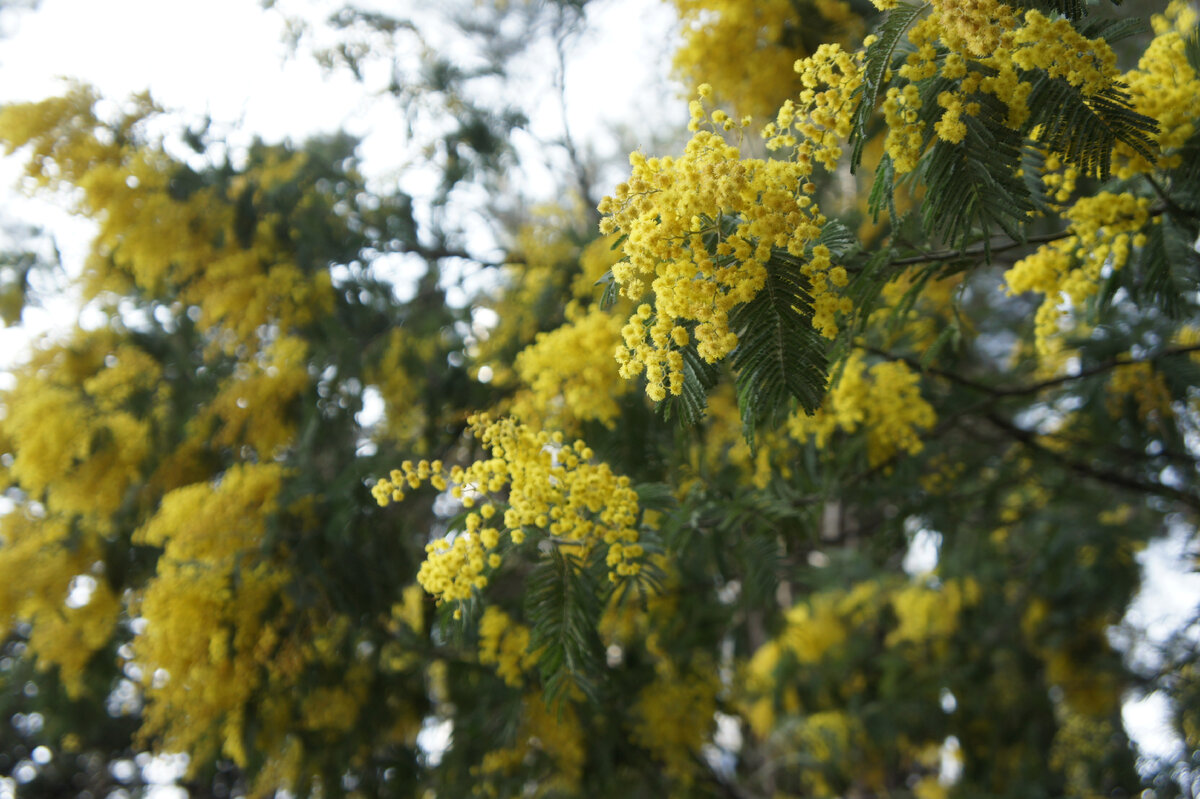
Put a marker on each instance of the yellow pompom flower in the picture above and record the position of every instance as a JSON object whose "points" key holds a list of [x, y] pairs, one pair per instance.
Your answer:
{"points": [[552, 488]]}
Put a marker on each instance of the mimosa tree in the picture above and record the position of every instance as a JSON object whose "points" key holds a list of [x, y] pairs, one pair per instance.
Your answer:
{"points": [[916, 272]]}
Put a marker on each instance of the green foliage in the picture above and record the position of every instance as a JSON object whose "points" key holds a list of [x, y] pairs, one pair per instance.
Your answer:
{"points": [[972, 187], [565, 603], [879, 59], [1085, 130], [779, 354], [699, 377], [194, 559]]}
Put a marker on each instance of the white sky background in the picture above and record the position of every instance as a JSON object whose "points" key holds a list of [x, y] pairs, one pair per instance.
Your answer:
{"points": [[230, 63]]}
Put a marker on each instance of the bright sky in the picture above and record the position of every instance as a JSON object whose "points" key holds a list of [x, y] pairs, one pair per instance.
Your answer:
{"points": [[227, 61], [230, 63]]}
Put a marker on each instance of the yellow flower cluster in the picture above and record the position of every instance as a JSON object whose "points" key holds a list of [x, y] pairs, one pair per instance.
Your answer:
{"points": [[973, 27], [1059, 178], [207, 634], [1089, 65], [814, 125], [1165, 88], [884, 399], [674, 717], [1104, 229], [553, 732], [1081, 739], [569, 371], [925, 613], [544, 261], [942, 475], [504, 643], [552, 489], [973, 32], [724, 443], [410, 610], [905, 130], [746, 48], [40, 558], [333, 709], [249, 408], [1145, 386], [1085, 688], [813, 629], [990, 35], [399, 388], [828, 737], [926, 312], [78, 445], [700, 230], [55, 428], [151, 239], [902, 614]]}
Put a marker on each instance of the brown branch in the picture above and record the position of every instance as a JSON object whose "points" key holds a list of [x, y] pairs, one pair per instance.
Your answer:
{"points": [[978, 251], [1029, 440], [440, 252], [1031, 388], [1175, 208], [1103, 366]]}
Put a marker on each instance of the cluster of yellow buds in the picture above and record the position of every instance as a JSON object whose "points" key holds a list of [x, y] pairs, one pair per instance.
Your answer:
{"points": [[700, 230], [549, 487]]}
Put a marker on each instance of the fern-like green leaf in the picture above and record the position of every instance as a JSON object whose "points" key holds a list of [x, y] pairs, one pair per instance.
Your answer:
{"points": [[1033, 170], [1184, 180], [972, 187], [698, 377], [1085, 129], [1157, 285], [898, 314], [759, 560], [868, 281], [883, 189], [656, 496], [840, 240], [1191, 49], [608, 297], [877, 62], [1113, 30], [779, 355], [563, 602]]}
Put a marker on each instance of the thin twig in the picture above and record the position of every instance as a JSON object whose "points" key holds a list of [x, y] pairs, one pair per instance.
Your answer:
{"points": [[581, 171]]}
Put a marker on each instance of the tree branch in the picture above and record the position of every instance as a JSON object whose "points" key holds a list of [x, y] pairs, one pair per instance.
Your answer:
{"points": [[978, 251], [440, 252], [975, 252], [1029, 440], [1031, 388]]}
